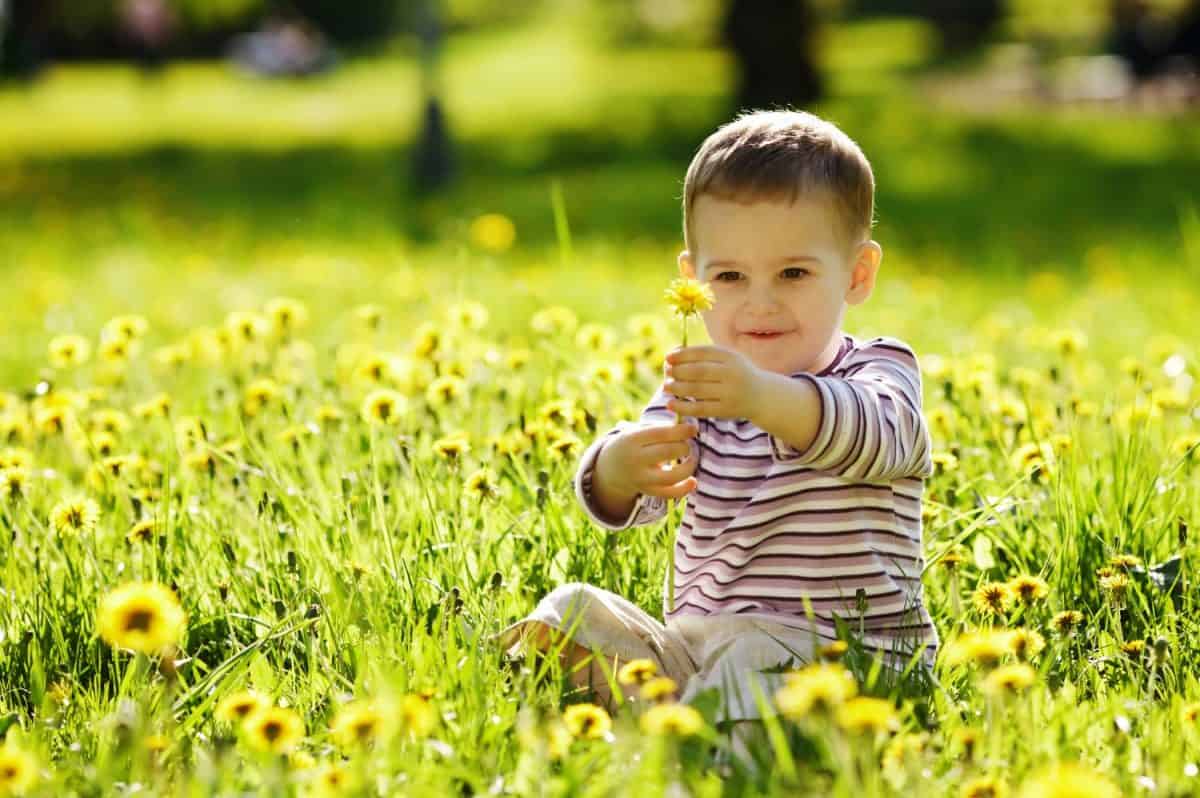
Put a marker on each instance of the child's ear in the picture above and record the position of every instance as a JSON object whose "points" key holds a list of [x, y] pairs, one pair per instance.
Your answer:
{"points": [[865, 267], [686, 267]]}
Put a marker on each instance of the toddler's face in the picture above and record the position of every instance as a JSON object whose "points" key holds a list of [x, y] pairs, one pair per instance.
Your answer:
{"points": [[781, 276]]}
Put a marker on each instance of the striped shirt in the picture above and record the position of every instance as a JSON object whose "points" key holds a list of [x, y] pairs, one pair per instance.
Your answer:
{"points": [[770, 528]]}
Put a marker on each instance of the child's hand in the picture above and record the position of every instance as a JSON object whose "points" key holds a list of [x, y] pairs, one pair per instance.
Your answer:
{"points": [[719, 382], [632, 462]]}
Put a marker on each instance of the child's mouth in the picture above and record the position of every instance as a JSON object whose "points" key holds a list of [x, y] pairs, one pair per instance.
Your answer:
{"points": [[764, 336]]}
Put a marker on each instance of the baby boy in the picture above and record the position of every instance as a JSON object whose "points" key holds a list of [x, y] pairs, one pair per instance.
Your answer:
{"points": [[803, 451]]}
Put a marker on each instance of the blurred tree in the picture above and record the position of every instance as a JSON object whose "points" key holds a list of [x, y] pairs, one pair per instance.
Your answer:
{"points": [[24, 25], [774, 42], [1148, 38], [433, 162], [962, 25]]}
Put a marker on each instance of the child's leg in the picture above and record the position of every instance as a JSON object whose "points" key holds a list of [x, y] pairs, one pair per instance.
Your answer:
{"points": [[583, 667], [595, 620]]}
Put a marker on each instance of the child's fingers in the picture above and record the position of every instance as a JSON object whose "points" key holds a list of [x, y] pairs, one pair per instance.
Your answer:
{"points": [[664, 433], [676, 491], [662, 452], [659, 476], [700, 408]]}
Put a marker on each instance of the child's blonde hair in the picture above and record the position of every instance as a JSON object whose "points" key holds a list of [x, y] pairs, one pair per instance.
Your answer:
{"points": [[781, 155]]}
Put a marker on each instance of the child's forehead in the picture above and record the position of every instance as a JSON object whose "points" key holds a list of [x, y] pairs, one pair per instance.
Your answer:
{"points": [[764, 224]]}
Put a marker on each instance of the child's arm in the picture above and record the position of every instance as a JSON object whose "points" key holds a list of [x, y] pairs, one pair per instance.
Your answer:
{"points": [[619, 482], [865, 424]]}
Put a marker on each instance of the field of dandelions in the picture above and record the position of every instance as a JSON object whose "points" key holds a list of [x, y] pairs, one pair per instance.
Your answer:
{"points": [[270, 478]]}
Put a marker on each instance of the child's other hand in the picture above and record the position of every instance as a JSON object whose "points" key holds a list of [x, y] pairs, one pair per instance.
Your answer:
{"points": [[655, 460], [718, 382]]}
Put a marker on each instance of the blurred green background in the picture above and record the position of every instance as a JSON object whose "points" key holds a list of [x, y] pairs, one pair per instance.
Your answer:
{"points": [[155, 175]]}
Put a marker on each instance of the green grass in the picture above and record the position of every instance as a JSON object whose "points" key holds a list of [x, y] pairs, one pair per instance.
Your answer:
{"points": [[200, 193]]}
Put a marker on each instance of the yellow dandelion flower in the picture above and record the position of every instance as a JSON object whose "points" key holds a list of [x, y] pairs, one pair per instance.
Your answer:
{"points": [[833, 651], [328, 415], [864, 715], [1033, 457], [595, 338], [966, 740], [275, 730], [1028, 589], [554, 321], [1026, 643], [587, 721], [1067, 621], [445, 389], [52, 420], [984, 787], [493, 232], [1009, 409], [954, 558], [125, 328], [333, 779], [1189, 713], [944, 462], [481, 484], [1136, 413], [1068, 780], [157, 406], [453, 446], [637, 671], [374, 368], [417, 714], [171, 357], [75, 517], [301, 760], [287, 315], [687, 296], [516, 359], [1084, 408], [1124, 562], [1068, 342], [14, 483], [245, 326], [143, 531], [142, 616], [239, 705], [983, 646], [109, 420], [819, 687], [565, 446], [68, 351], [646, 325], [992, 598], [468, 315], [1169, 399], [1012, 678], [259, 395], [18, 769], [359, 723], [16, 457], [368, 317], [117, 350], [671, 720], [1187, 446], [1134, 649], [1115, 586], [659, 688], [383, 406], [201, 460]]}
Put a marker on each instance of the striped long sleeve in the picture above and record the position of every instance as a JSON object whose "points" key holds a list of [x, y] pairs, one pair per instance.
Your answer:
{"points": [[871, 425], [646, 509]]}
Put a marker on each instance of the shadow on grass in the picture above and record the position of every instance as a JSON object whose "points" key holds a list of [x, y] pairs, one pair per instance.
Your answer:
{"points": [[977, 193]]}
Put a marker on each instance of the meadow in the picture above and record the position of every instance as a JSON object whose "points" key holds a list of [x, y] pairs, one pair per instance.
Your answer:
{"points": [[282, 444]]}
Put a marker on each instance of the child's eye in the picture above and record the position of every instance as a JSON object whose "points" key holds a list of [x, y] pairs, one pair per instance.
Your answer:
{"points": [[794, 273], [727, 277]]}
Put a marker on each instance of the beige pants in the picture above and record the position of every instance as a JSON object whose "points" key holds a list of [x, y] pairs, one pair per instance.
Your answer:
{"points": [[726, 652]]}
